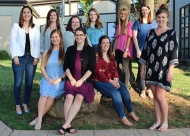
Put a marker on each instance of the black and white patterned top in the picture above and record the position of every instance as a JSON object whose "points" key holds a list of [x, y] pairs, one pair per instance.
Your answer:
{"points": [[160, 51]]}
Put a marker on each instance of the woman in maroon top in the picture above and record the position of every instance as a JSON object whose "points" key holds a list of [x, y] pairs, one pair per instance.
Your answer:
{"points": [[107, 81], [79, 63]]}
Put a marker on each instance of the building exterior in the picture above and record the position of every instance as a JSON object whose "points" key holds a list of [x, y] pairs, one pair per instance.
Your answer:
{"points": [[180, 21], [10, 11]]}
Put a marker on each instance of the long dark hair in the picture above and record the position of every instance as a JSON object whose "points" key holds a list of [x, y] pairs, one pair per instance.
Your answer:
{"points": [[69, 25], [85, 42], [48, 22], [149, 19], [61, 47], [21, 20], [109, 53]]}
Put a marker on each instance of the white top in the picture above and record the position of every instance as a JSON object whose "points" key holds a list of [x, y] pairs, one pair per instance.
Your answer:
{"points": [[45, 38], [18, 41]]}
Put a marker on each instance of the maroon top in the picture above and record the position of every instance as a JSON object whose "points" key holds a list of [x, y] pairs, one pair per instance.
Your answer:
{"points": [[86, 89], [104, 71]]}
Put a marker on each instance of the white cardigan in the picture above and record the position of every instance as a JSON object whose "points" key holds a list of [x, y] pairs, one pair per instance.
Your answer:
{"points": [[18, 41]]}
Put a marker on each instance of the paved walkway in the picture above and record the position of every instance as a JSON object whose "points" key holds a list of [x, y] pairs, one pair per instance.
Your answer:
{"points": [[6, 131]]}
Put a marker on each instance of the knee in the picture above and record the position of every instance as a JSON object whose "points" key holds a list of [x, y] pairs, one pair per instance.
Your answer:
{"points": [[69, 98], [50, 99], [79, 98]]}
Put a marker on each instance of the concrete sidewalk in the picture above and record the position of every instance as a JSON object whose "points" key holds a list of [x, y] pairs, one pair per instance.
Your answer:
{"points": [[6, 131]]}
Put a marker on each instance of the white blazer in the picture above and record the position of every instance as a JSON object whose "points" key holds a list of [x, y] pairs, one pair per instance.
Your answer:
{"points": [[18, 41]]}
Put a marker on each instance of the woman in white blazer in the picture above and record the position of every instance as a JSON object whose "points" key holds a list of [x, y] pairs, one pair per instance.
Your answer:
{"points": [[25, 52], [52, 22]]}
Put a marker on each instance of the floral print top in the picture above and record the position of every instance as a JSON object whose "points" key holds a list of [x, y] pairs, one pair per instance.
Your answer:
{"points": [[94, 34], [159, 52], [104, 71]]}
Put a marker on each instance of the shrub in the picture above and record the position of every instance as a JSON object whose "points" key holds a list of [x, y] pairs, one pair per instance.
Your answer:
{"points": [[4, 55]]}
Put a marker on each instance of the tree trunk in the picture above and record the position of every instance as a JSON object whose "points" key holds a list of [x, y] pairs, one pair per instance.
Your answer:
{"points": [[63, 12], [122, 3], [150, 3]]}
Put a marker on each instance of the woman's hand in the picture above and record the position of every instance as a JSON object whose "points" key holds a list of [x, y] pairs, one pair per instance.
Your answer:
{"points": [[113, 53], [51, 81], [73, 81], [138, 53], [57, 81], [169, 76], [16, 61], [35, 63], [79, 83], [125, 54], [114, 83]]}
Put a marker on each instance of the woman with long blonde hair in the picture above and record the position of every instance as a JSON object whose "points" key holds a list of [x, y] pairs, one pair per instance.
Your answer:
{"points": [[123, 43]]}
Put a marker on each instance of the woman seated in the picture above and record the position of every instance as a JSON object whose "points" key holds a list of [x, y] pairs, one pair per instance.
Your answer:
{"points": [[52, 82], [79, 64], [107, 81]]}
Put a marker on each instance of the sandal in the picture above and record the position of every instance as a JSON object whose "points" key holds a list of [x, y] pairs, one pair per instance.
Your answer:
{"points": [[33, 123], [37, 126], [149, 94], [143, 95], [69, 130], [163, 127], [133, 116], [125, 121], [154, 126], [62, 131]]}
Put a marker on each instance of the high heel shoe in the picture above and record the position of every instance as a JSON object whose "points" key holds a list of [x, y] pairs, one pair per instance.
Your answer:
{"points": [[26, 111]]}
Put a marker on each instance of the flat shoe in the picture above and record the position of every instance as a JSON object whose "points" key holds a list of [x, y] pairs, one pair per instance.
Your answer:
{"points": [[143, 95], [37, 126], [33, 123], [154, 126], [62, 129], [163, 127], [125, 121], [149, 94], [68, 130], [133, 116]]}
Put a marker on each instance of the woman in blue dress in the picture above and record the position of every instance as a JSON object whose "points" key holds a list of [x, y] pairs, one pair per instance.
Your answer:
{"points": [[52, 82]]}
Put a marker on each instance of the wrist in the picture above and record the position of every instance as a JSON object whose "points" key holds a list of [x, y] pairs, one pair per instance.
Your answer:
{"points": [[84, 79], [62, 79], [126, 49]]}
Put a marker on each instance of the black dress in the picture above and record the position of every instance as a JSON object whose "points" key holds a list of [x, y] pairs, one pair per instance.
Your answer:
{"points": [[158, 54]]}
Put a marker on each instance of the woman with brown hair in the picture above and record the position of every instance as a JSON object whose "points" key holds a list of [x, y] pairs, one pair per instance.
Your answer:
{"points": [[52, 82], [140, 30]]}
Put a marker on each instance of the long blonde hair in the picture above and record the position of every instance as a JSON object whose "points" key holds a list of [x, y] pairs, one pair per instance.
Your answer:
{"points": [[61, 48], [120, 24]]}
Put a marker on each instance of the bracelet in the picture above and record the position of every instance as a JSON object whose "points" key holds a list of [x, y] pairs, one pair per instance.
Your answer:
{"points": [[84, 79], [126, 49]]}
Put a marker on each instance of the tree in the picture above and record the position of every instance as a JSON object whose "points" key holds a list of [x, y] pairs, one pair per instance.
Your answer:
{"points": [[86, 5], [63, 12]]}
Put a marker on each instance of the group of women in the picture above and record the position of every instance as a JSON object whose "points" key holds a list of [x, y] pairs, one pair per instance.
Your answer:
{"points": [[72, 67]]}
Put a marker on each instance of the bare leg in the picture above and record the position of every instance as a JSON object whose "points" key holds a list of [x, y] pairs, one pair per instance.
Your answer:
{"points": [[160, 94], [67, 105], [75, 107]]}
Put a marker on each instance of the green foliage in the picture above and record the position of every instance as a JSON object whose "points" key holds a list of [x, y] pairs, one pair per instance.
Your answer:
{"points": [[86, 5], [4, 55]]}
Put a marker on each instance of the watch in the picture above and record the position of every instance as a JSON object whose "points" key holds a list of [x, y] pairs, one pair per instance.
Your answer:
{"points": [[126, 49], [62, 79], [84, 79]]}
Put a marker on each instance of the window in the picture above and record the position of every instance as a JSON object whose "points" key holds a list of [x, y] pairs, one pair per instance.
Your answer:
{"points": [[111, 30], [184, 39]]}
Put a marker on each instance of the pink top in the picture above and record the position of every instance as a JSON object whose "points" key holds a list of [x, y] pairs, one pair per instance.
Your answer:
{"points": [[122, 40]]}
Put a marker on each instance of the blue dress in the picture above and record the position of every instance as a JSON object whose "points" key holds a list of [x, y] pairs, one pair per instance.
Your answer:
{"points": [[54, 71]]}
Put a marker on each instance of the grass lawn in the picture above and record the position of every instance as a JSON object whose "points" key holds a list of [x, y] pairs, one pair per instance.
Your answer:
{"points": [[178, 99]]}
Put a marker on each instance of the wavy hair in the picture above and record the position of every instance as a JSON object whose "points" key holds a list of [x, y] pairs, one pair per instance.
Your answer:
{"points": [[48, 22], [69, 25], [98, 23], [21, 20], [109, 53], [120, 23], [61, 47]]}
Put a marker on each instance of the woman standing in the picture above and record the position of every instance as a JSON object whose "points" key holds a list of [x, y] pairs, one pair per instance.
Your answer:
{"points": [[140, 30], [94, 28], [69, 38], [25, 52], [160, 56], [107, 81], [52, 22], [79, 66], [52, 82], [123, 44]]}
